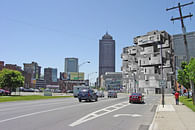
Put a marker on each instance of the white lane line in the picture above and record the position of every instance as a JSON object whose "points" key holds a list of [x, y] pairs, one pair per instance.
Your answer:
{"points": [[13, 108], [35, 113], [132, 115], [95, 114]]}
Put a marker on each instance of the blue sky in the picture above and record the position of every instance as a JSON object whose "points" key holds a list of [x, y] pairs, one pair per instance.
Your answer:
{"points": [[47, 31]]}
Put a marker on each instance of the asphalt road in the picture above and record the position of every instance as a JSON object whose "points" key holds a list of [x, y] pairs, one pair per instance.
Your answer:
{"points": [[69, 114]]}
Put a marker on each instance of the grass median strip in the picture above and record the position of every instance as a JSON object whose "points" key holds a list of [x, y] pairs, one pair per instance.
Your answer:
{"points": [[188, 102], [32, 97]]}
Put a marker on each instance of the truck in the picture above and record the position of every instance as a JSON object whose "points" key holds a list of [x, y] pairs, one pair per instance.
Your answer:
{"points": [[76, 90]]}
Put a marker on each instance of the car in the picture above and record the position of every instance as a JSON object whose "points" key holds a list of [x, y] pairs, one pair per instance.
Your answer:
{"points": [[57, 91], [69, 91], [2, 92], [112, 93], [190, 94], [87, 94], [7, 93], [136, 98], [100, 93]]}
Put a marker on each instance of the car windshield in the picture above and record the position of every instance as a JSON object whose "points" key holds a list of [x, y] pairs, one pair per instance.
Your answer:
{"points": [[136, 94]]}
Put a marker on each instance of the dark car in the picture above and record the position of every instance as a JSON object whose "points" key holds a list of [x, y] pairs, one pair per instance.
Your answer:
{"points": [[100, 93], [136, 98], [4, 92], [112, 93], [87, 94]]}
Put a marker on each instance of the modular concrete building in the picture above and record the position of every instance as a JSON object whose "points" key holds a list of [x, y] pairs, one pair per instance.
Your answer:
{"points": [[141, 63]]}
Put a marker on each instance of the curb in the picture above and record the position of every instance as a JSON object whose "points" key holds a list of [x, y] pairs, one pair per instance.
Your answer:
{"points": [[152, 124]]}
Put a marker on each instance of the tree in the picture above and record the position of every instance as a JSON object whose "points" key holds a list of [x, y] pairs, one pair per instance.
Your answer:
{"points": [[11, 79], [191, 73], [183, 76]]}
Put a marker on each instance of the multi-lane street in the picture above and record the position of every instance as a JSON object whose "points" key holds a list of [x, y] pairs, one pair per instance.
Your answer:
{"points": [[69, 114]]}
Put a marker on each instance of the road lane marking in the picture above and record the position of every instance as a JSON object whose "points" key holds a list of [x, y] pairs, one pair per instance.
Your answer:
{"points": [[132, 115], [101, 112], [35, 113]]}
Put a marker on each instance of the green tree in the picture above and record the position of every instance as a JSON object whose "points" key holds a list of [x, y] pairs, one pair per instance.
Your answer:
{"points": [[191, 73], [183, 75], [11, 79]]}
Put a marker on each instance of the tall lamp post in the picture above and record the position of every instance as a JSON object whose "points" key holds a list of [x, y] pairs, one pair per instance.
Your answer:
{"points": [[89, 75], [81, 65]]}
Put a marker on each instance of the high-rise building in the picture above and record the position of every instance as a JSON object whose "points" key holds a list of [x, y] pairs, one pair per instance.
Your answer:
{"points": [[71, 65], [50, 75], [33, 69], [179, 47], [106, 54]]}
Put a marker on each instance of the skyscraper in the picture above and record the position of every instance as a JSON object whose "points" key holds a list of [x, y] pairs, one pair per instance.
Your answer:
{"points": [[106, 54], [50, 75], [71, 65], [33, 69]]}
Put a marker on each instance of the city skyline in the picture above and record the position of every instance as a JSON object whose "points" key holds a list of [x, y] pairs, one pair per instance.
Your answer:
{"points": [[47, 31]]}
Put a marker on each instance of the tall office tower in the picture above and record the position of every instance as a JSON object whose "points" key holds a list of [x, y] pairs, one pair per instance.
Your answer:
{"points": [[33, 69], [179, 47], [71, 65], [106, 54], [50, 75]]}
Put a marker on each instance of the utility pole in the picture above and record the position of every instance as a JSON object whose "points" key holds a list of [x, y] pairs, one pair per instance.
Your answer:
{"points": [[184, 36], [182, 25]]}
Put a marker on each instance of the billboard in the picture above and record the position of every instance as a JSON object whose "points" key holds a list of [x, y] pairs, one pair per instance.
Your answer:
{"points": [[75, 75]]}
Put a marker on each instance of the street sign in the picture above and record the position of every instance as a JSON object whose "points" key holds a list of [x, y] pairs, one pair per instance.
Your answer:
{"points": [[162, 83]]}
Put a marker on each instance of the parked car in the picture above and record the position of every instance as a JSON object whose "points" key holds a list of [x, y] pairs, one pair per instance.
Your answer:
{"points": [[112, 93], [100, 93], [7, 93], [57, 91], [87, 94], [136, 98], [190, 94], [2, 92], [69, 91]]}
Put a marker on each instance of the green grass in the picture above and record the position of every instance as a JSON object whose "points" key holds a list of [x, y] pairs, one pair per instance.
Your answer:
{"points": [[188, 102], [23, 98]]}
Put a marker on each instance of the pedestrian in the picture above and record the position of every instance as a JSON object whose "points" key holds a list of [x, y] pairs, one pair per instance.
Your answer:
{"points": [[177, 98]]}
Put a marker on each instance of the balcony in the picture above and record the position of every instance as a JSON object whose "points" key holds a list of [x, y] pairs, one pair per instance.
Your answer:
{"points": [[148, 40]]}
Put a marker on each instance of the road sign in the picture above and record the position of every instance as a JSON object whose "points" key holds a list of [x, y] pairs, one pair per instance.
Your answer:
{"points": [[162, 82]]}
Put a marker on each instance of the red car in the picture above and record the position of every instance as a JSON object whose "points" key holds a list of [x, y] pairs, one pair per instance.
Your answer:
{"points": [[4, 92], [136, 98]]}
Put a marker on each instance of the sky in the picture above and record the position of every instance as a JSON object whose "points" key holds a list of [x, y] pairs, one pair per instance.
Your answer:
{"points": [[47, 31]]}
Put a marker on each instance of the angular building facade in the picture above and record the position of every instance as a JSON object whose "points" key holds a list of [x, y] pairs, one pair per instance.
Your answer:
{"points": [[141, 63], [71, 65], [179, 47], [106, 54]]}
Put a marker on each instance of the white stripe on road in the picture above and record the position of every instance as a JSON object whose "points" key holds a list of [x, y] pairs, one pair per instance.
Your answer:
{"points": [[35, 113], [101, 112]]}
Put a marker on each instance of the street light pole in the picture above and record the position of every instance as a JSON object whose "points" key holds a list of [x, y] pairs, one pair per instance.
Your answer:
{"points": [[88, 76], [134, 82], [163, 101], [81, 65]]}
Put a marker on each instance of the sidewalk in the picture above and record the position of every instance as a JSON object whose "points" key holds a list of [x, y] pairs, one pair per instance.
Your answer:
{"points": [[173, 117]]}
